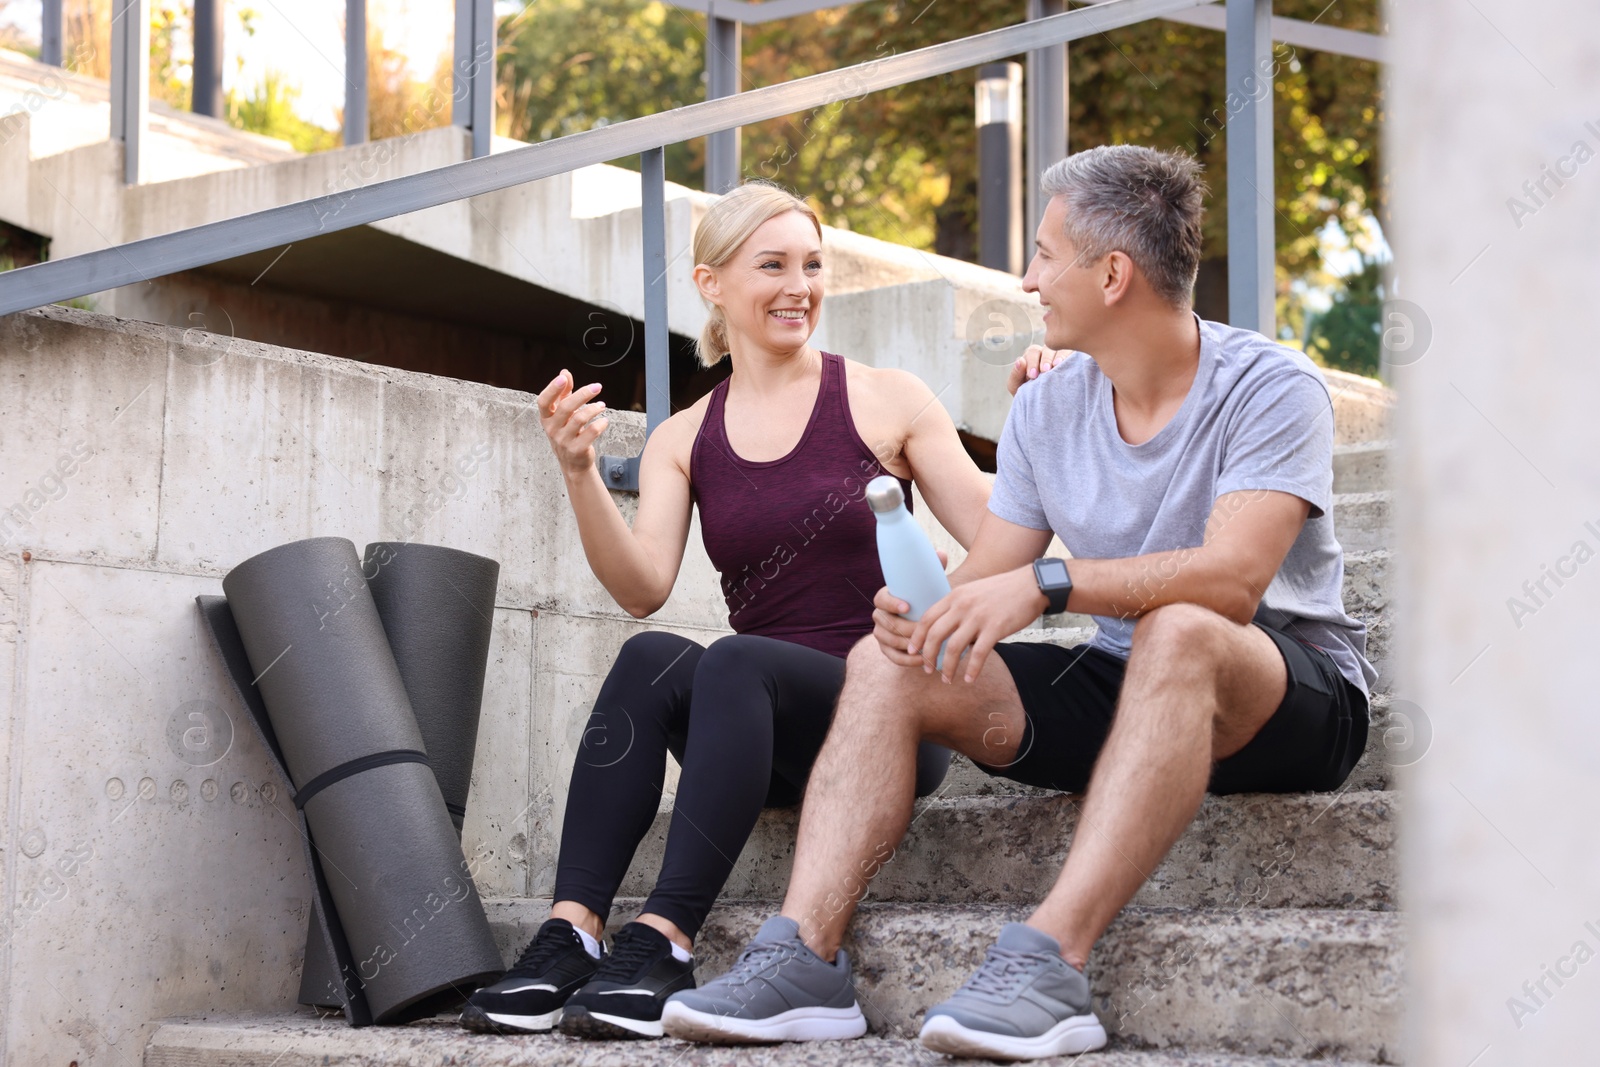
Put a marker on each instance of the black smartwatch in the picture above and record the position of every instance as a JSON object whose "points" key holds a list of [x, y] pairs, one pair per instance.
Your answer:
{"points": [[1054, 582]]}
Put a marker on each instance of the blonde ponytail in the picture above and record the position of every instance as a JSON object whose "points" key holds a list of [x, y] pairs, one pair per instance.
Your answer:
{"points": [[713, 342], [726, 226]]}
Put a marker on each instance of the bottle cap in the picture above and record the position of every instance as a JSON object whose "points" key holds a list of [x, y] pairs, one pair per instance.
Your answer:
{"points": [[884, 494]]}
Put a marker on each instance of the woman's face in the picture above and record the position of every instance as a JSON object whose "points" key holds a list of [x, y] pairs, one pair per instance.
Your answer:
{"points": [[771, 289]]}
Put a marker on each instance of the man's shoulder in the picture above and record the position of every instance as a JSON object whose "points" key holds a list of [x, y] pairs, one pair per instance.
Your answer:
{"points": [[1069, 378], [1249, 360]]}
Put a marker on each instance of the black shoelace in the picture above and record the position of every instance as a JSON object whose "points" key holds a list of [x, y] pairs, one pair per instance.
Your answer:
{"points": [[550, 944], [630, 950]]}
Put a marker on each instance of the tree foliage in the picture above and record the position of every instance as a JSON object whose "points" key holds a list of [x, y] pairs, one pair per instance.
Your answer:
{"points": [[902, 164], [566, 66], [1348, 335]]}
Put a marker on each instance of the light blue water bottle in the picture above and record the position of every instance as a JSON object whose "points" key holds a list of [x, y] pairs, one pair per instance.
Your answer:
{"points": [[911, 568], [912, 571]]}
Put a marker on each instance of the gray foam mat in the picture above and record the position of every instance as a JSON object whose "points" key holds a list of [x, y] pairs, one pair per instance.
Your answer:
{"points": [[324, 931], [437, 609], [406, 926]]}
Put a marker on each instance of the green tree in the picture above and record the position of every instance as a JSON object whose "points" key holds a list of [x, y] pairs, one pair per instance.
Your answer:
{"points": [[1348, 335], [171, 68], [912, 151], [269, 109], [901, 164], [566, 66]]}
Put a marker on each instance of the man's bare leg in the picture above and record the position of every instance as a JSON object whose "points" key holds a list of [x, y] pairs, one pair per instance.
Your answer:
{"points": [[859, 798], [1197, 689]]}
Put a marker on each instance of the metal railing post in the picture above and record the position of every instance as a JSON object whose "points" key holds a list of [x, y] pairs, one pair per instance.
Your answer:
{"points": [[472, 93], [1046, 117], [722, 79], [1252, 209], [206, 94], [355, 72], [657, 368], [130, 81], [50, 33], [623, 472]]}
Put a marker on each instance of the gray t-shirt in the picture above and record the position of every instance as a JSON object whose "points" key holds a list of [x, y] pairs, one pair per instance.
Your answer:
{"points": [[1258, 416]]}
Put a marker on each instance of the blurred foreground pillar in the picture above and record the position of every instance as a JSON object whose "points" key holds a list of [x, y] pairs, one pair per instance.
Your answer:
{"points": [[1494, 146]]}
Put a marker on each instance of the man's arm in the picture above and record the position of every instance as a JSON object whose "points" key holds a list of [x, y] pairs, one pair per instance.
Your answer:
{"points": [[1248, 534], [997, 547]]}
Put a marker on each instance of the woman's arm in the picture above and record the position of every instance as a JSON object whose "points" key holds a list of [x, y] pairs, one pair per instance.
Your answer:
{"points": [[957, 492], [637, 566]]}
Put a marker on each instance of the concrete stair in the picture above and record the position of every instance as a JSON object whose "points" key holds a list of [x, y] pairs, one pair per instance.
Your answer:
{"points": [[1295, 851], [1249, 980], [1361, 467], [1362, 521], [1268, 936], [305, 1040]]}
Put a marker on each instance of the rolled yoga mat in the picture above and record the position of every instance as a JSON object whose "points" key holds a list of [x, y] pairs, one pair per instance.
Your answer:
{"points": [[416, 938], [437, 608], [324, 921]]}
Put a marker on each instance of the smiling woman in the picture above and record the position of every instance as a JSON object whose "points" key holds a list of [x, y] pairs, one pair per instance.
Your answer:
{"points": [[726, 231], [768, 458]]}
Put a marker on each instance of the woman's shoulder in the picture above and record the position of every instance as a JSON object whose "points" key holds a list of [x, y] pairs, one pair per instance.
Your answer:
{"points": [[888, 386], [681, 428]]}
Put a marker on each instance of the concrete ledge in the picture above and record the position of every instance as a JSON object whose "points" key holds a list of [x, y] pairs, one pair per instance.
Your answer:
{"points": [[1245, 981], [303, 1040], [1362, 467], [1362, 521], [1261, 850]]}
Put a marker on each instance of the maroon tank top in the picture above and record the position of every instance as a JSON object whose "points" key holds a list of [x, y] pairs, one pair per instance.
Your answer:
{"points": [[793, 538]]}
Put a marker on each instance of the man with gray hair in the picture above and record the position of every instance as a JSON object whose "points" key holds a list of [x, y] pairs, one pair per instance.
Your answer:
{"points": [[1187, 466]]}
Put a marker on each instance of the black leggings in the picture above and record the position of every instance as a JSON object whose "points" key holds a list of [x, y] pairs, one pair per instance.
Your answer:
{"points": [[745, 718]]}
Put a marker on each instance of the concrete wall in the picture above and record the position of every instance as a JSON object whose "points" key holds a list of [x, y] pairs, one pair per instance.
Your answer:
{"points": [[1498, 488], [136, 884]]}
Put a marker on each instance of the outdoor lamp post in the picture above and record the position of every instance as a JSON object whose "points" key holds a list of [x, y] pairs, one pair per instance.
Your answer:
{"points": [[999, 124]]}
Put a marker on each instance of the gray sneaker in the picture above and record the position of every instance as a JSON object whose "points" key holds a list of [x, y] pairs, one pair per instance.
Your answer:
{"points": [[778, 990], [1024, 1003]]}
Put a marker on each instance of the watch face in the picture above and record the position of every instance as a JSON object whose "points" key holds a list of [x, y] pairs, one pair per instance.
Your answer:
{"points": [[1053, 571]]}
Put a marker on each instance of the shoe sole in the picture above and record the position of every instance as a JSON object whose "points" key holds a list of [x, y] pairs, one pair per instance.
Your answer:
{"points": [[796, 1024], [479, 1021], [578, 1021], [1080, 1033]]}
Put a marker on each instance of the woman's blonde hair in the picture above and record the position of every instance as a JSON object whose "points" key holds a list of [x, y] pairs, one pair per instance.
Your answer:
{"points": [[729, 224]]}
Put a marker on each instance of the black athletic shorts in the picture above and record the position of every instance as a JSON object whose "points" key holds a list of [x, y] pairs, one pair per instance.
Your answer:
{"points": [[1069, 695]]}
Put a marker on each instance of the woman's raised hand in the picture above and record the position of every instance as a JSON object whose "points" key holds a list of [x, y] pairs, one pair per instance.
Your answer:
{"points": [[1033, 362], [569, 420]]}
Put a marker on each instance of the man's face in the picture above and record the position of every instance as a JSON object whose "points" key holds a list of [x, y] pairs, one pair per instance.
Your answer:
{"points": [[1068, 290]]}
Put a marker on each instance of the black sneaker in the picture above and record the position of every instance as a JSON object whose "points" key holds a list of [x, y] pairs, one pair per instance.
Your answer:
{"points": [[625, 996], [528, 997]]}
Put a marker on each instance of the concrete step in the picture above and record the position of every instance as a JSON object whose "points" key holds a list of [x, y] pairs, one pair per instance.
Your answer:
{"points": [[1363, 467], [1311, 850], [1362, 521], [1295, 982], [304, 1040], [1367, 578]]}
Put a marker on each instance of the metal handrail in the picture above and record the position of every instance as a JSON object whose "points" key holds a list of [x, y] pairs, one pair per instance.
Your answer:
{"points": [[152, 257]]}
